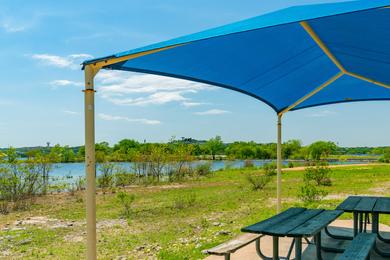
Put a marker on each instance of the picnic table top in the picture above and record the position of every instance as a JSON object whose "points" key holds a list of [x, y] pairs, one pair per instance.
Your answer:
{"points": [[295, 222], [366, 204]]}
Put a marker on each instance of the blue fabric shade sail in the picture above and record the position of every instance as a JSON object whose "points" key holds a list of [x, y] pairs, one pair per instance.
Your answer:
{"points": [[294, 58]]}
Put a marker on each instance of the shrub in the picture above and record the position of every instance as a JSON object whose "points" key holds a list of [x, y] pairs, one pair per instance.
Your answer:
{"points": [[270, 169], [22, 205], [4, 207], [258, 182], [320, 174], [124, 179], [19, 180], [184, 201], [106, 178], [290, 164], [126, 200], [203, 169], [385, 158], [80, 183], [309, 193], [248, 164]]}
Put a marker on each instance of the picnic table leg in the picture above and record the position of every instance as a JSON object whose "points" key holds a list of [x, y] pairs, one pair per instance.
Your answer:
{"points": [[275, 247], [317, 238], [259, 252], [355, 223], [360, 222], [375, 229], [386, 240], [298, 248]]}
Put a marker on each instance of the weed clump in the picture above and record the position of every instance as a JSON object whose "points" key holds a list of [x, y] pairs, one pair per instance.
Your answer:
{"points": [[183, 202], [126, 200]]}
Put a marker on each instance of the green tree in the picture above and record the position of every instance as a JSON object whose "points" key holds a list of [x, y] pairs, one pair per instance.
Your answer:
{"points": [[56, 153], [125, 145], [102, 151], [386, 155], [321, 150], [291, 147], [214, 146]]}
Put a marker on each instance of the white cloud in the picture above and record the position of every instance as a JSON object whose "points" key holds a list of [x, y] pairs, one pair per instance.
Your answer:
{"points": [[65, 83], [70, 112], [124, 88], [11, 28], [12, 25], [131, 120], [71, 61], [157, 98], [193, 104], [212, 112], [323, 113], [11, 22]]}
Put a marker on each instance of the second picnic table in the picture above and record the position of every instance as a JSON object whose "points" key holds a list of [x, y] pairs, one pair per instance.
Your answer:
{"points": [[364, 205], [297, 223]]}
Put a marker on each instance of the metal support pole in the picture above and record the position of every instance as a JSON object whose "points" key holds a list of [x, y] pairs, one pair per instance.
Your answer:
{"points": [[90, 161], [355, 223], [317, 238], [279, 165], [275, 248], [298, 248]]}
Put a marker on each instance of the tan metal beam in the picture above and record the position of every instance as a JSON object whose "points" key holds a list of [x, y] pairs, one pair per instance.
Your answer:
{"points": [[322, 45], [368, 80], [309, 95], [110, 61]]}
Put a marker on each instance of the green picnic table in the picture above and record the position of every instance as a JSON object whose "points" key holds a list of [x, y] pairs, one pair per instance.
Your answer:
{"points": [[297, 223], [364, 205]]}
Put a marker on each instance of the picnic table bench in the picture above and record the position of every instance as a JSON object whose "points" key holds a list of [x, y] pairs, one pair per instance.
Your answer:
{"points": [[360, 247], [232, 246]]}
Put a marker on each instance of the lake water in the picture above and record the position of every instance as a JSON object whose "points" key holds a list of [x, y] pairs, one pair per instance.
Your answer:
{"points": [[69, 172]]}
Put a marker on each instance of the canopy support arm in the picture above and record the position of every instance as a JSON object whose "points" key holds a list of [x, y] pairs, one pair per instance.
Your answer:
{"points": [[330, 55], [315, 91], [322, 45], [90, 164], [279, 164], [98, 64]]}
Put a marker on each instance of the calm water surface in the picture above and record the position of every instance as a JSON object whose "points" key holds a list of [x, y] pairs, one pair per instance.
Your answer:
{"points": [[71, 171]]}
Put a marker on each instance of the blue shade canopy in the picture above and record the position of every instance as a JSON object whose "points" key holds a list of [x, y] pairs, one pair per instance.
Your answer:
{"points": [[294, 58]]}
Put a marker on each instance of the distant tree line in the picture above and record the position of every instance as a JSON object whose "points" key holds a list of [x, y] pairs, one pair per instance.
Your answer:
{"points": [[214, 148]]}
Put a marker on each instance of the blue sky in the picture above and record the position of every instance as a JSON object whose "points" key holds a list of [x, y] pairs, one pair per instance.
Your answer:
{"points": [[43, 42]]}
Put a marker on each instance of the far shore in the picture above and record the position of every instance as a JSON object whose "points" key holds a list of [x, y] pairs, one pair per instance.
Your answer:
{"points": [[301, 168]]}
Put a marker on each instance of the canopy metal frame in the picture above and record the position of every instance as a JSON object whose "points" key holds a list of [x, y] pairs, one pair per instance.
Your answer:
{"points": [[91, 69]]}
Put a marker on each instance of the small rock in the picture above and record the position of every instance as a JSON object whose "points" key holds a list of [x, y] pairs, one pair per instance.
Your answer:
{"points": [[223, 233], [216, 224], [25, 241], [140, 248]]}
